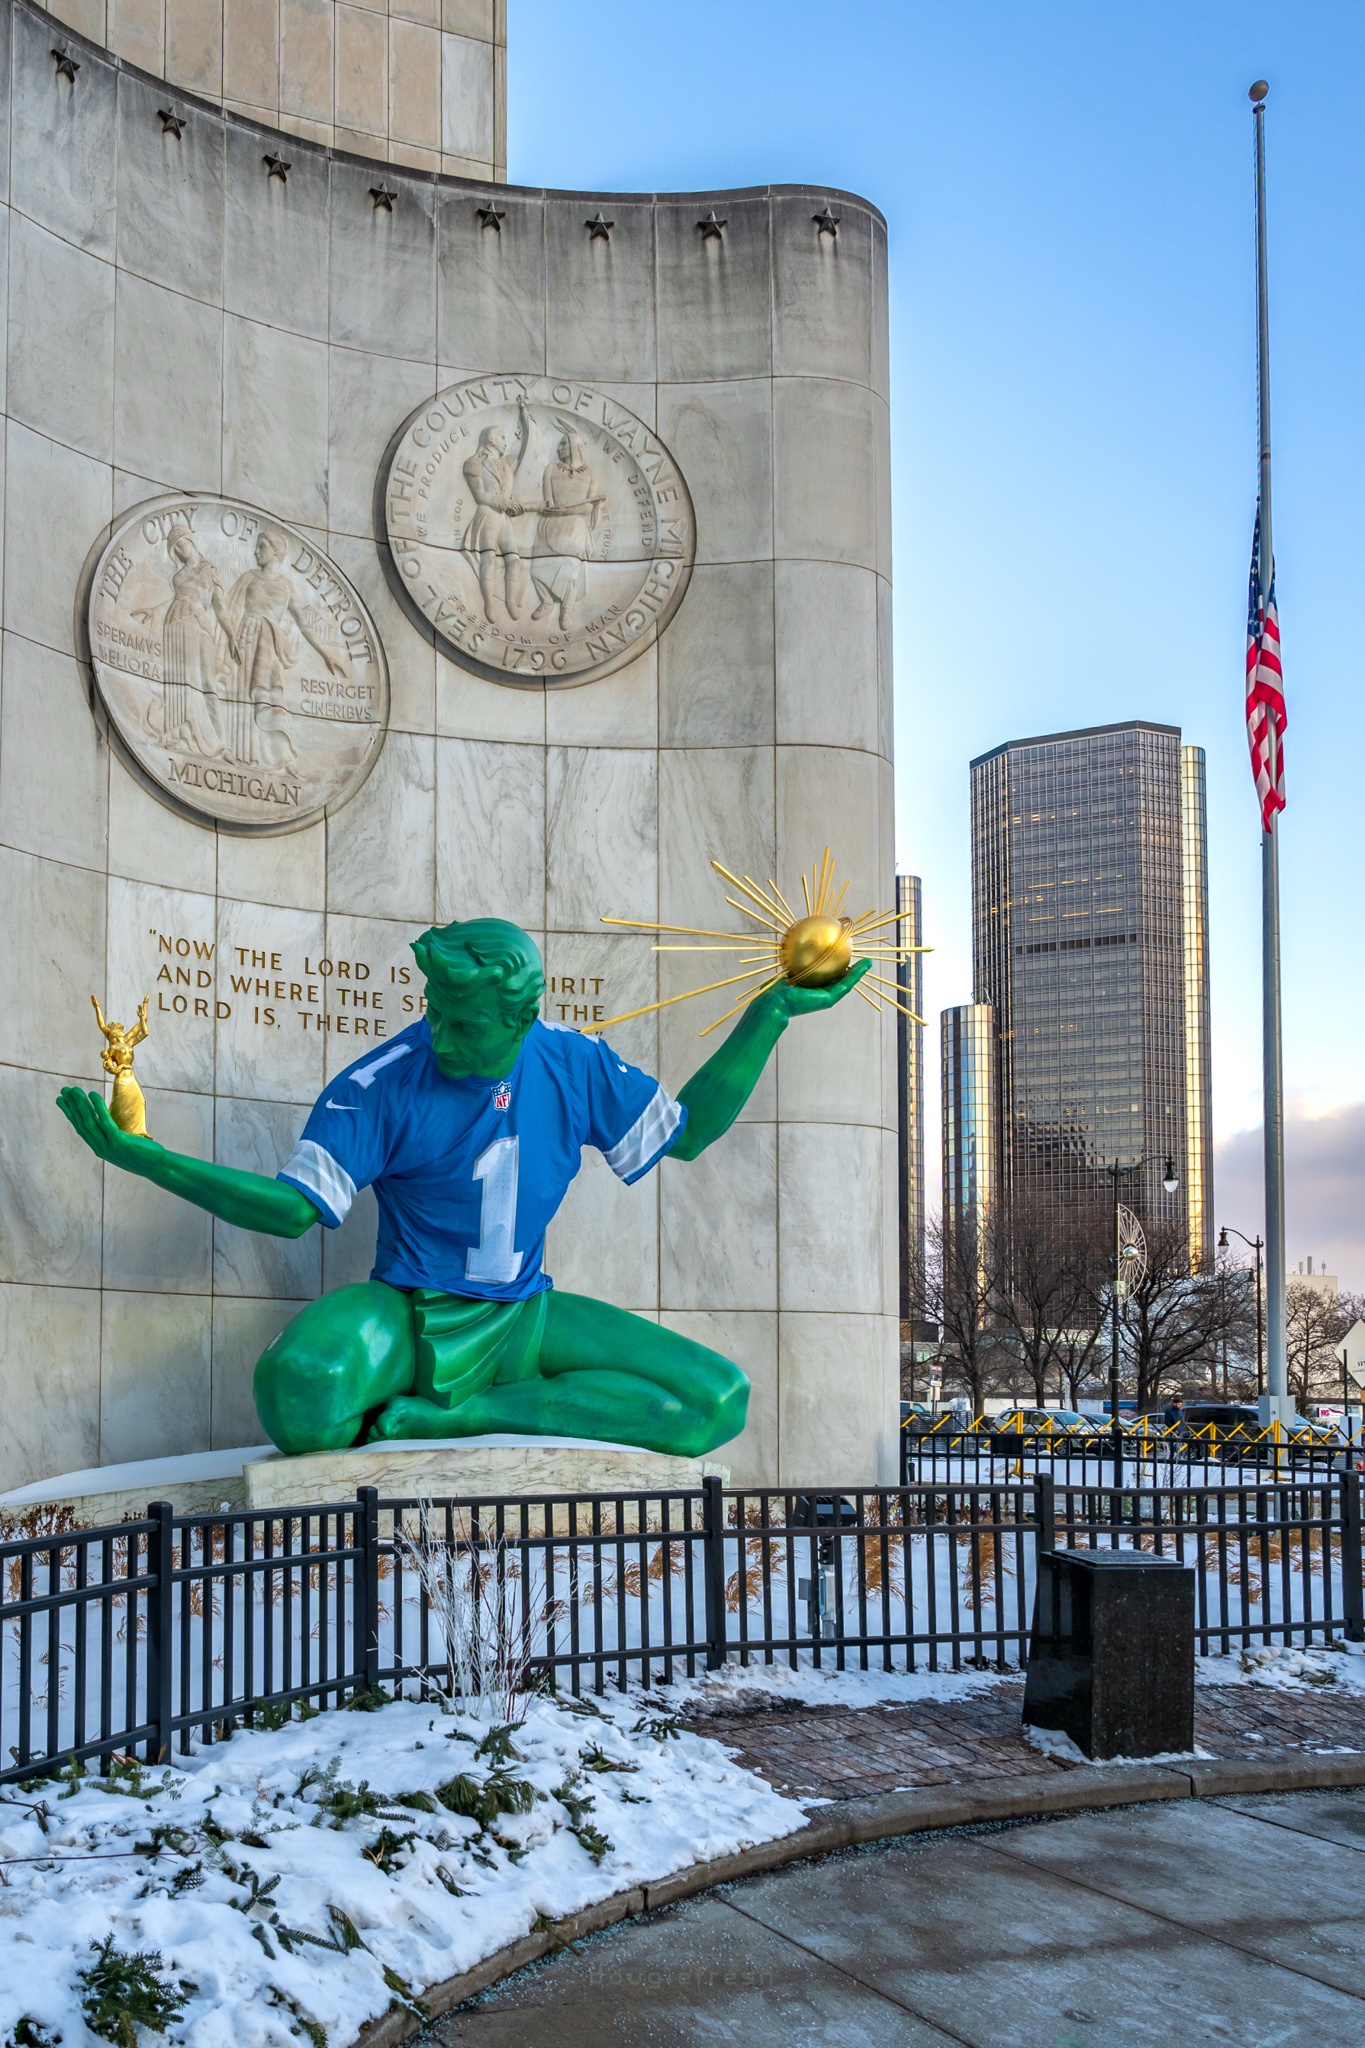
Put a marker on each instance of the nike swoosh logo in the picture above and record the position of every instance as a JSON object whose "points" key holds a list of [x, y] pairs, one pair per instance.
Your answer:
{"points": [[353, 1107]]}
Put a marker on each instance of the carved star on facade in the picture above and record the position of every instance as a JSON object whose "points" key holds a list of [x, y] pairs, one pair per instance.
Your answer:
{"points": [[713, 229], [171, 122], [276, 167], [827, 222], [67, 67], [383, 195], [599, 230], [491, 217]]}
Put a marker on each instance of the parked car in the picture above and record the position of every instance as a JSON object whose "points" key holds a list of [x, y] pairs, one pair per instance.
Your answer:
{"points": [[1044, 1421], [1235, 1434]]}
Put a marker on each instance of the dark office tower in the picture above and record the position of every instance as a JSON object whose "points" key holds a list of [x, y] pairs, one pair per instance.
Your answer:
{"points": [[1089, 928], [910, 1094]]}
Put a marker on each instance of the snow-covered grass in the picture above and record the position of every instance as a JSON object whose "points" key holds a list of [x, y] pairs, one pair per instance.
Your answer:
{"points": [[1337, 1664], [291, 1885], [737, 1687]]}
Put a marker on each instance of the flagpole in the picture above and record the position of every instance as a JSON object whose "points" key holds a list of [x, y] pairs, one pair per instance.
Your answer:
{"points": [[1277, 1364]]}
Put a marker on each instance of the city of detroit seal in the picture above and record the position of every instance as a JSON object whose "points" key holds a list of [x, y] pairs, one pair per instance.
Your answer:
{"points": [[539, 531], [238, 666]]}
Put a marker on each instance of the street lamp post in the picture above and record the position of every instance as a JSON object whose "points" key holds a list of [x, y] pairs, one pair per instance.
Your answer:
{"points": [[1257, 1245], [1135, 1256]]}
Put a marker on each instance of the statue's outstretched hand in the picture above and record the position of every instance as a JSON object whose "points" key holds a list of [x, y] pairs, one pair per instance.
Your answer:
{"points": [[789, 1001], [88, 1114]]}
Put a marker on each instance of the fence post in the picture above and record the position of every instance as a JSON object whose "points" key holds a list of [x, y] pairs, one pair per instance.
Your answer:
{"points": [[160, 1628], [366, 1585], [1045, 1510], [713, 1576], [1352, 1588]]}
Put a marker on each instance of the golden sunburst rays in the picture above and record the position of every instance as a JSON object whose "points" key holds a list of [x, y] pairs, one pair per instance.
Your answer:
{"points": [[810, 951]]}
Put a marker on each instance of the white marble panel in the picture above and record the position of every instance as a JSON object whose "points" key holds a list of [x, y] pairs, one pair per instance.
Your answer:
{"points": [[832, 1235], [147, 839], [716, 660], [168, 386], [50, 1376], [718, 1223], [54, 764], [267, 953], [410, 655], [288, 869], [490, 831], [50, 1187], [51, 955], [837, 1421], [257, 1137], [881, 333], [276, 261], [749, 1341], [381, 848], [683, 1048], [822, 291], [154, 1241], [620, 710], [715, 293], [721, 437], [469, 708], [604, 1241], [601, 835], [162, 942], [275, 420], [7, 219], [600, 293], [61, 340], [594, 976], [62, 142], [826, 631], [154, 1375], [241, 1330], [371, 984], [881, 510], [383, 267], [170, 194], [886, 700], [370, 397], [57, 506], [466, 97], [491, 282], [824, 470], [715, 803], [348, 1253]]}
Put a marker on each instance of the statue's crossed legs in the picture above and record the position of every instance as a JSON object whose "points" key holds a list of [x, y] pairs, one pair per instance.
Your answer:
{"points": [[372, 1363]]}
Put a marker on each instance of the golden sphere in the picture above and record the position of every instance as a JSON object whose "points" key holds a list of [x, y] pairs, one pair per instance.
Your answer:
{"points": [[816, 951]]}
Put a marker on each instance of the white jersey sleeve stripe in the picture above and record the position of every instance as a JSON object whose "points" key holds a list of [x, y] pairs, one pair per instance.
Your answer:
{"points": [[364, 1077], [321, 1178], [647, 1139]]}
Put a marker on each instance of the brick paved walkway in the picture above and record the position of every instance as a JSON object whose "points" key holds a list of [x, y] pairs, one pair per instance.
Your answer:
{"points": [[856, 1752]]}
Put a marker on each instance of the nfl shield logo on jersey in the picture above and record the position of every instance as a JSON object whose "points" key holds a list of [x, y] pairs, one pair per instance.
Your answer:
{"points": [[502, 1095]]}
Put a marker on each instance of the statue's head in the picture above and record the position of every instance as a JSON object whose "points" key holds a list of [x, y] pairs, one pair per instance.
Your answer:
{"points": [[484, 984]]}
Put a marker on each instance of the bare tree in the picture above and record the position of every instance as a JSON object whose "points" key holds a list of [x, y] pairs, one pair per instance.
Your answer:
{"points": [[957, 1288], [1315, 1323], [1046, 1295], [1173, 1319]]}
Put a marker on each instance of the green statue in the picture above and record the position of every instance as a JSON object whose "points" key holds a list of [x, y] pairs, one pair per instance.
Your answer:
{"points": [[469, 1126]]}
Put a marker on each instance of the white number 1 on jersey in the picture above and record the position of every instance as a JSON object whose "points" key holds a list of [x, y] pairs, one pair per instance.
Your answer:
{"points": [[493, 1259]]}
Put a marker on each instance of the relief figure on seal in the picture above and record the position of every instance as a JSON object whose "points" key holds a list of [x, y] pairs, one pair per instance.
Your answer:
{"points": [[199, 653], [268, 619]]}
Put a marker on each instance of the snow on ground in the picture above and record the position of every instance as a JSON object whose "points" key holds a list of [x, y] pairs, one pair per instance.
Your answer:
{"points": [[1338, 1664], [295, 1883], [736, 1688]]}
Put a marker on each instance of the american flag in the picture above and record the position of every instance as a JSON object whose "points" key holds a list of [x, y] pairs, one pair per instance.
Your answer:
{"points": [[1265, 689]]}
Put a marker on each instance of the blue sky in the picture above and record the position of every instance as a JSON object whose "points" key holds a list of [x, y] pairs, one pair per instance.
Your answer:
{"points": [[1068, 188]]}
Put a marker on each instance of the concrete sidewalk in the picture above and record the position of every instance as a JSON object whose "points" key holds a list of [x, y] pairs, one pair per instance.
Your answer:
{"points": [[1234, 1920]]}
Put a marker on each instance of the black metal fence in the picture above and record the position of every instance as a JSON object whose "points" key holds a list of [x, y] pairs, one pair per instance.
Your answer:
{"points": [[157, 1633]]}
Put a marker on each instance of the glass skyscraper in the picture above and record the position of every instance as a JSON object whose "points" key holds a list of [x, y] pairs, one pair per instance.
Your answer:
{"points": [[1090, 941], [970, 1135]]}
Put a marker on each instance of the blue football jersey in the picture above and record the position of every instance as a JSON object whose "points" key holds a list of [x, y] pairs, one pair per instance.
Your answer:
{"points": [[468, 1174]]}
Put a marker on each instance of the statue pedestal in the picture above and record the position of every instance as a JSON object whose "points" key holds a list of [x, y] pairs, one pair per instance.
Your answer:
{"points": [[452, 1467], [473, 1468]]}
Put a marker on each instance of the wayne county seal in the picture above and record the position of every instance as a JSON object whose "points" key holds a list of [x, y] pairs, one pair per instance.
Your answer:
{"points": [[238, 666], [540, 531]]}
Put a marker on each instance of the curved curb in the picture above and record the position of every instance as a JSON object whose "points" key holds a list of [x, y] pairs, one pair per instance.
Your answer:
{"points": [[847, 1823]]}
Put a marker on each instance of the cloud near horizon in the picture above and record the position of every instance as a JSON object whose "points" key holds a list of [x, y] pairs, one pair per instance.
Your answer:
{"points": [[1324, 1168]]}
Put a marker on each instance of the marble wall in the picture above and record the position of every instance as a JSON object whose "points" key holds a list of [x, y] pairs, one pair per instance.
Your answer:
{"points": [[180, 320], [417, 82]]}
